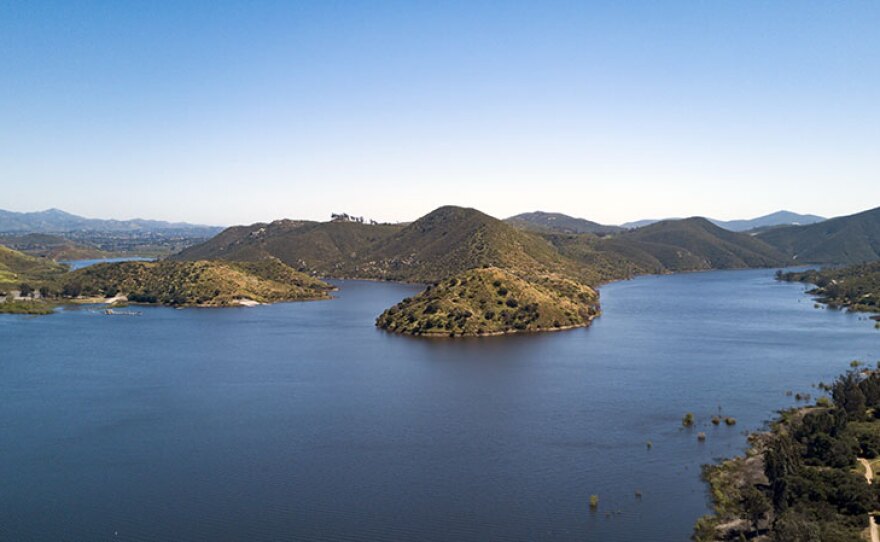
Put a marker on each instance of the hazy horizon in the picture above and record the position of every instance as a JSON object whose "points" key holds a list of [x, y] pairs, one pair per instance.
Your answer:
{"points": [[232, 114], [327, 217]]}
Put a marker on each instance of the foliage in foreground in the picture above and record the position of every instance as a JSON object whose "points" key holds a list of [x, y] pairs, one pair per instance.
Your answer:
{"points": [[798, 483]]}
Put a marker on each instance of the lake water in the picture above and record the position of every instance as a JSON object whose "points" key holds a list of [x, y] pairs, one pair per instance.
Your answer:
{"points": [[79, 264], [303, 422]]}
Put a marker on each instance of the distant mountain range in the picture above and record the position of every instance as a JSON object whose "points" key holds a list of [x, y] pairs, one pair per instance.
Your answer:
{"points": [[779, 218], [57, 221]]}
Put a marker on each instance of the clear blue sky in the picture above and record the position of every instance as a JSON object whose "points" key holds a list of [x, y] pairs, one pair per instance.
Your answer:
{"points": [[235, 112]]}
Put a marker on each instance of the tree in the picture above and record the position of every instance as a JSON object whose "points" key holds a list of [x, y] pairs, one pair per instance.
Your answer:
{"points": [[848, 395], [25, 290], [756, 506]]}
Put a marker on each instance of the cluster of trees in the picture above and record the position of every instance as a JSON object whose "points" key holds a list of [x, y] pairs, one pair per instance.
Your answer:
{"points": [[856, 286], [813, 492], [345, 217]]}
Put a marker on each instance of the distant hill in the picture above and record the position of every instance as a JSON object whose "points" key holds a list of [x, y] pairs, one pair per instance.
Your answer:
{"points": [[57, 221], [779, 218], [559, 222], [195, 283], [842, 240], [17, 268], [330, 249], [51, 246], [690, 244]]}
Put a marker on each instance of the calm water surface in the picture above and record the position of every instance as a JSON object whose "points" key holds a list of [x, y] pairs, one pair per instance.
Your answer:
{"points": [[304, 422]]}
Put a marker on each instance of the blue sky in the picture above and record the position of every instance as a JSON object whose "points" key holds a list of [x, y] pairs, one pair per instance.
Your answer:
{"points": [[236, 112]]}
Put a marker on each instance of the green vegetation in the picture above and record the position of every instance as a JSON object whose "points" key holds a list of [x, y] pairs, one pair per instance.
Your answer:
{"points": [[800, 482], [856, 287], [557, 222], [492, 300], [17, 268], [843, 240], [452, 243], [200, 283], [687, 420], [25, 307], [53, 247]]}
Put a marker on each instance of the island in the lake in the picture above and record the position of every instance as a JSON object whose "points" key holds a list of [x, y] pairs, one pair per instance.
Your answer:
{"points": [[547, 266]]}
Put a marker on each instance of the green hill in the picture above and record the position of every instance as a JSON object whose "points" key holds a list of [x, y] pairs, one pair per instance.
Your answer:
{"points": [[491, 301], [451, 240], [17, 268], [442, 243], [324, 248], [558, 222], [842, 240], [202, 283], [691, 244]]}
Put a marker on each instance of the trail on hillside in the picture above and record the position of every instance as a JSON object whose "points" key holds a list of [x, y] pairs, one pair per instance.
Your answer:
{"points": [[869, 477]]}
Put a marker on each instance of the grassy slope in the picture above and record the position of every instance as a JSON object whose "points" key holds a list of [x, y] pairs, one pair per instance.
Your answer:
{"points": [[491, 301], [17, 268], [211, 283], [842, 240]]}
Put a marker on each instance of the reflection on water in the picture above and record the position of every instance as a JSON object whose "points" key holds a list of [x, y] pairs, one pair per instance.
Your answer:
{"points": [[302, 421]]}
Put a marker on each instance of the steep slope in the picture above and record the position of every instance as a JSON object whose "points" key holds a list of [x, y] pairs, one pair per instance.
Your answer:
{"points": [[558, 222], [842, 240], [17, 268], [200, 283], [490, 301]]}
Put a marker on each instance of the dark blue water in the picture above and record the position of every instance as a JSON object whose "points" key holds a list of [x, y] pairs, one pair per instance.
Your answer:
{"points": [[304, 422]]}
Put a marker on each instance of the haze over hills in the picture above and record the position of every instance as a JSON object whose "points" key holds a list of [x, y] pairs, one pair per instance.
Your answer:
{"points": [[58, 221], [541, 221], [842, 240], [779, 218]]}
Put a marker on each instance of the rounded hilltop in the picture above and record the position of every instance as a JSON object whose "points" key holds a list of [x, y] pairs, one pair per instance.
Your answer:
{"points": [[493, 301]]}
